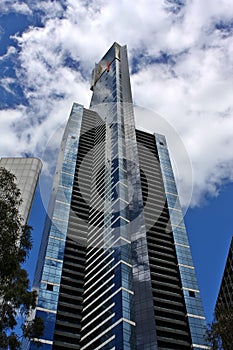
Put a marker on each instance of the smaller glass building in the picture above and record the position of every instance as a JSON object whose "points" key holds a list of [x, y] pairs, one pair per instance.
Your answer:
{"points": [[27, 172]]}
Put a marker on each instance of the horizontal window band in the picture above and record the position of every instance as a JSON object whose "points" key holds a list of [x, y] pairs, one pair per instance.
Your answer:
{"points": [[182, 245], [178, 226], [187, 266], [63, 172], [48, 282], [172, 194], [177, 210], [57, 238], [196, 316], [53, 259], [190, 289], [65, 187], [43, 341], [46, 310], [201, 346], [58, 219]]}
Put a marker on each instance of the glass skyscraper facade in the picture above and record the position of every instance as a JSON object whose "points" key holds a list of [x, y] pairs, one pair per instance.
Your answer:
{"points": [[115, 269]]}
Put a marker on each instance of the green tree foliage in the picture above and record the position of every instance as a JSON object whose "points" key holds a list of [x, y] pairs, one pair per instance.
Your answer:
{"points": [[220, 332], [15, 243]]}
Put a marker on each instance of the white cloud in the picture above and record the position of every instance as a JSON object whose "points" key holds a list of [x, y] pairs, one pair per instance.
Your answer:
{"points": [[6, 84], [49, 8], [9, 142], [193, 91], [21, 8], [7, 6], [10, 51]]}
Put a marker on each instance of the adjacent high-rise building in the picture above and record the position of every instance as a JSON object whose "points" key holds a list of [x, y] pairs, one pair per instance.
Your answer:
{"points": [[115, 269], [27, 172], [225, 295], [224, 303]]}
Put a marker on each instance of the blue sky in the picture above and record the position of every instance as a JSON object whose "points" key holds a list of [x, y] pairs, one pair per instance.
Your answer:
{"points": [[181, 61]]}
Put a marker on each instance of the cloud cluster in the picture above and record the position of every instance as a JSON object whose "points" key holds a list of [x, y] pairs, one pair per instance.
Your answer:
{"points": [[181, 58]]}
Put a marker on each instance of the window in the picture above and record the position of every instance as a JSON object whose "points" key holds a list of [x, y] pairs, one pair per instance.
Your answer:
{"points": [[192, 293], [50, 287]]}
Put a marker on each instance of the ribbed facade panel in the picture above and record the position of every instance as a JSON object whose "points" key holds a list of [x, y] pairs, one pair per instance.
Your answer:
{"points": [[169, 307], [69, 310]]}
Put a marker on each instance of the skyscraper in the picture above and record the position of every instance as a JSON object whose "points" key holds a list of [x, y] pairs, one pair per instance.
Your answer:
{"points": [[224, 303], [225, 295], [115, 269], [26, 171]]}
